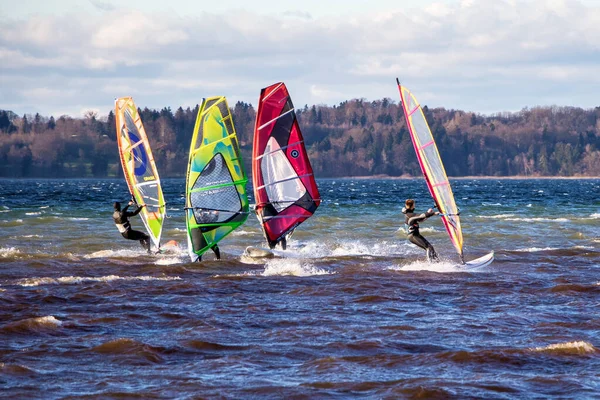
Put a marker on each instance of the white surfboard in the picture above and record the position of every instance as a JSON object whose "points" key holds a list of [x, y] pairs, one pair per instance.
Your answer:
{"points": [[258, 252], [480, 262]]}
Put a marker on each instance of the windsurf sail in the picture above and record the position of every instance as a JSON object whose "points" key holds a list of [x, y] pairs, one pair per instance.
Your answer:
{"points": [[285, 190], [432, 167], [216, 199], [139, 167]]}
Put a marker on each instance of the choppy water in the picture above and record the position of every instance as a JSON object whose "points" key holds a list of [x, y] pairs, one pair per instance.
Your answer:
{"points": [[350, 310]]}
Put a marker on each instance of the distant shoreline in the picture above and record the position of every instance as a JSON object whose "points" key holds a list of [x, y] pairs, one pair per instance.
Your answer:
{"points": [[516, 177]]}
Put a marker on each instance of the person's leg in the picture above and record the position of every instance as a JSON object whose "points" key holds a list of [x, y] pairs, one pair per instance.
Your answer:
{"points": [[431, 254], [283, 243], [141, 237], [418, 240], [217, 252], [425, 245], [146, 243]]}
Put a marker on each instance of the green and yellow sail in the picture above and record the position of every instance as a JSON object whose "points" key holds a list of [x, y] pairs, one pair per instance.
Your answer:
{"points": [[216, 199]]}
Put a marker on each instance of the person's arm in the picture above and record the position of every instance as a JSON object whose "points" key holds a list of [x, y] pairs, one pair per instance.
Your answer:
{"points": [[430, 213], [417, 218], [136, 212]]}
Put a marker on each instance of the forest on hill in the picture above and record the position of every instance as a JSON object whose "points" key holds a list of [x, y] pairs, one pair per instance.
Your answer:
{"points": [[354, 138]]}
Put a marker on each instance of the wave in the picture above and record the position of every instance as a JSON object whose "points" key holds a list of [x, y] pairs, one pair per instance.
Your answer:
{"points": [[498, 216], [69, 280], [125, 347], [171, 260], [116, 253], [15, 369], [574, 348], [210, 346], [38, 324], [345, 248], [34, 213], [11, 223], [573, 287], [284, 267], [536, 249], [538, 219]]}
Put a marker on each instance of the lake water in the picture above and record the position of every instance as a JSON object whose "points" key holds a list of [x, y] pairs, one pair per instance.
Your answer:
{"points": [[351, 309]]}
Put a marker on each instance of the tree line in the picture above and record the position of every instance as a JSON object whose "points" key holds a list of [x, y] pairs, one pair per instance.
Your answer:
{"points": [[355, 138]]}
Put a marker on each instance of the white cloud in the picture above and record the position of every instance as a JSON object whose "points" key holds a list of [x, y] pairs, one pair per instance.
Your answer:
{"points": [[474, 55]]}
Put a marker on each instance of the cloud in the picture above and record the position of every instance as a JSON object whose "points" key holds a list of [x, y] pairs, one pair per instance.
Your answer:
{"points": [[102, 5], [473, 55]]}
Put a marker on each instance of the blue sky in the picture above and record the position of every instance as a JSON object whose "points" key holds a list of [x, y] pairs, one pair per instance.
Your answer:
{"points": [[69, 56]]}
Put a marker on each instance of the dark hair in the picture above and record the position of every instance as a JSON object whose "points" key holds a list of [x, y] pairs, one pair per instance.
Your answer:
{"points": [[117, 206], [410, 204]]}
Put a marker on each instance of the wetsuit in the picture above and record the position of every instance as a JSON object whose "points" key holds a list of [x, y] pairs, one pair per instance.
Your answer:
{"points": [[412, 221], [283, 243], [215, 250], [121, 218]]}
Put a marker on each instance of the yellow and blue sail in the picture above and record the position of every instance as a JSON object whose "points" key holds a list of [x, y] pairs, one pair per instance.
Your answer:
{"points": [[139, 167]]}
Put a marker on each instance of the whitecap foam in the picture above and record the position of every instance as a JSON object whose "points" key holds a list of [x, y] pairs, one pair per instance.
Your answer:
{"points": [[47, 321], [428, 229], [497, 216], [536, 249], [282, 267], [169, 261], [8, 251], [324, 249], [115, 253], [34, 213], [28, 282], [578, 347], [242, 232], [32, 236], [595, 216], [539, 219], [78, 219]]}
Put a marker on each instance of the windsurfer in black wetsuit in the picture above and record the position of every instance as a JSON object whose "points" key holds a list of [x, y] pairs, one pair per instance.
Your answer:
{"points": [[121, 218], [412, 221]]}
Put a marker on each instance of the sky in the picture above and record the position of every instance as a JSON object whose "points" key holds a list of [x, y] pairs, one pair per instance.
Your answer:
{"points": [[65, 57]]}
